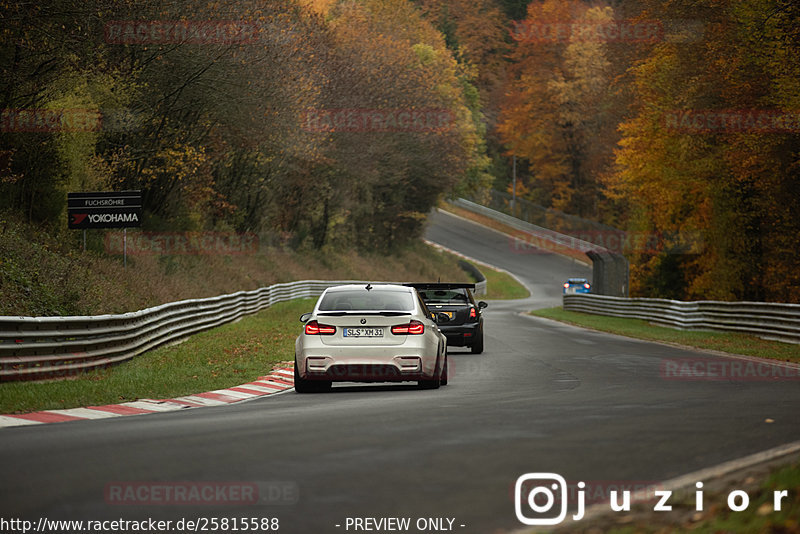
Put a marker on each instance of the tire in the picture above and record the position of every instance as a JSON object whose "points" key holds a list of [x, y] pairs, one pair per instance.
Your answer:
{"points": [[433, 383], [302, 385], [477, 344], [444, 377]]}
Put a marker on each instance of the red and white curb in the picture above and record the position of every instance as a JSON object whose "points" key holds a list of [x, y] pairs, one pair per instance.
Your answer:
{"points": [[278, 380]]}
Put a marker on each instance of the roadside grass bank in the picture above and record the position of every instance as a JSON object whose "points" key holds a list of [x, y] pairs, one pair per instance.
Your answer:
{"points": [[730, 342], [225, 356], [46, 275], [501, 286]]}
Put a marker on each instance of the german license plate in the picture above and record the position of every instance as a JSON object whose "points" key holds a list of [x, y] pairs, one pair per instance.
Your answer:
{"points": [[363, 332]]}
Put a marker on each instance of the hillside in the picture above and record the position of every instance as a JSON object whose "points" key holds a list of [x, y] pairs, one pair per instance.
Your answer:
{"points": [[42, 273]]}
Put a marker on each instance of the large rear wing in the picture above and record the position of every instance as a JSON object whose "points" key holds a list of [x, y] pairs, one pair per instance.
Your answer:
{"points": [[440, 285]]}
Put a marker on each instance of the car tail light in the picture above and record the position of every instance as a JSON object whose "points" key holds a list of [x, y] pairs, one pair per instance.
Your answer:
{"points": [[566, 286], [473, 314], [315, 329], [414, 328], [587, 286]]}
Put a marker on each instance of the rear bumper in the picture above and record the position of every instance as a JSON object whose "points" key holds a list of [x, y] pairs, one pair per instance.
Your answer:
{"points": [[461, 336], [382, 366]]}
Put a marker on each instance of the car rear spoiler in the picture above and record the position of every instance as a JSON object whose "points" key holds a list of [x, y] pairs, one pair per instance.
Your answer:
{"points": [[440, 285]]}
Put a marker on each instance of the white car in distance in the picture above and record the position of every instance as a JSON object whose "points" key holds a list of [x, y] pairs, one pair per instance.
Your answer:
{"points": [[369, 333]]}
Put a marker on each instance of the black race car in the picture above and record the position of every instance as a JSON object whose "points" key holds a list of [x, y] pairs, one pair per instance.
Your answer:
{"points": [[465, 325]]}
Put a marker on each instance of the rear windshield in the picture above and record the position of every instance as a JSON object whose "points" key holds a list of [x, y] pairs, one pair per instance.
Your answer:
{"points": [[363, 300], [577, 281], [444, 296]]}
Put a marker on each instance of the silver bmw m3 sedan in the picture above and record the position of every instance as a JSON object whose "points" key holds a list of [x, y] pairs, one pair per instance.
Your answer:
{"points": [[369, 333]]}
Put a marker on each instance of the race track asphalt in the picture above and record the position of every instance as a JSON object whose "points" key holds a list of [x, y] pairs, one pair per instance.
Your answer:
{"points": [[544, 397]]}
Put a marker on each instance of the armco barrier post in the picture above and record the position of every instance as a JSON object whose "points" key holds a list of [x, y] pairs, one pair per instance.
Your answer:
{"points": [[598, 272], [610, 273], [621, 275]]}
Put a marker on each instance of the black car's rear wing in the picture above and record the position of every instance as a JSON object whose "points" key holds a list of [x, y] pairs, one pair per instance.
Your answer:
{"points": [[440, 285]]}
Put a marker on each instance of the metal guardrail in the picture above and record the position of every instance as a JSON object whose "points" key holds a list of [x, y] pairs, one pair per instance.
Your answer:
{"points": [[766, 320], [544, 235], [44, 347], [34, 348], [480, 279], [610, 270]]}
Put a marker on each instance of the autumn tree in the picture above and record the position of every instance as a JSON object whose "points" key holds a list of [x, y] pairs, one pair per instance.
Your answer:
{"points": [[560, 110], [729, 185]]}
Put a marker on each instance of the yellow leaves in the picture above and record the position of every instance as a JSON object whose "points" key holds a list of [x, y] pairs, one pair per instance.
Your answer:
{"points": [[179, 162]]}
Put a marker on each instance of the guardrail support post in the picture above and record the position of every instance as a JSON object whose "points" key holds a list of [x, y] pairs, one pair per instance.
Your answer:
{"points": [[610, 273]]}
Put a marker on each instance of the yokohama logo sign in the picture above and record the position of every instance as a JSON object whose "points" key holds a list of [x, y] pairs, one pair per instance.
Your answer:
{"points": [[104, 210], [107, 218]]}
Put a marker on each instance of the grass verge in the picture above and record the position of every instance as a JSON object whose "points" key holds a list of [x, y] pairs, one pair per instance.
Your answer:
{"points": [[502, 286], [723, 341], [226, 356]]}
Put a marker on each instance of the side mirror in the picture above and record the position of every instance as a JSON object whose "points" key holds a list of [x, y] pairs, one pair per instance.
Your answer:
{"points": [[482, 304], [305, 317], [442, 318]]}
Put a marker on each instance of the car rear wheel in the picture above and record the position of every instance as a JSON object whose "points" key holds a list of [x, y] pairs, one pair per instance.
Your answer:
{"points": [[434, 382], [444, 372], [302, 385], [477, 343]]}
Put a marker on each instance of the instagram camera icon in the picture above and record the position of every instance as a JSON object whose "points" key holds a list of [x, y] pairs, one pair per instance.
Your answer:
{"points": [[546, 485]]}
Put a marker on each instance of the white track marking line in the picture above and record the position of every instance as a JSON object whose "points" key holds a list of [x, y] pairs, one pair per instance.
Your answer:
{"points": [[6, 421], [202, 400], [262, 389], [86, 413], [155, 406], [234, 394]]}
